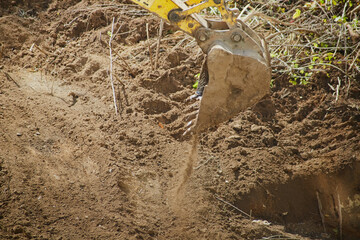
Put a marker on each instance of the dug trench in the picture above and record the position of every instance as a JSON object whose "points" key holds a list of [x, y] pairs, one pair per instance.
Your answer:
{"points": [[330, 199], [73, 169]]}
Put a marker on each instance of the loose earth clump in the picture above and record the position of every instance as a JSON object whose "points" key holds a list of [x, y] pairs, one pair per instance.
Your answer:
{"points": [[70, 168]]}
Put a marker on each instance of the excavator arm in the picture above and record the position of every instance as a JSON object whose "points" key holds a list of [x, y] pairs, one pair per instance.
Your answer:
{"points": [[238, 61], [185, 14]]}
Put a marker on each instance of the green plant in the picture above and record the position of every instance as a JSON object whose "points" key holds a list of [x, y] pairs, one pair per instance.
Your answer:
{"points": [[195, 85], [318, 35], [272, 83]]}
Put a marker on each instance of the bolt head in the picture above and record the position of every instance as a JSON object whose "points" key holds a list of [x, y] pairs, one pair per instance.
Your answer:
{"points": [[202, 37], [236, 37]]}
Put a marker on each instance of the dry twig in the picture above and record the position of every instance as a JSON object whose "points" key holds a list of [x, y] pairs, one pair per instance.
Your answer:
{"points": [[111, 66], [127, 66], [158, 42], [11, 79], [320, 211], [340, 216], [42, 50], [148, 42], [123, 90], [231, 205]]}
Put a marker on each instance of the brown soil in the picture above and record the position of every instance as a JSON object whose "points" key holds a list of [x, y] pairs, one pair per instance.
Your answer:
{"points": [[70, 168]]}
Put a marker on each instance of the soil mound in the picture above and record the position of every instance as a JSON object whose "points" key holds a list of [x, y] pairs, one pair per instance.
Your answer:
{"points": [[70, 168]]}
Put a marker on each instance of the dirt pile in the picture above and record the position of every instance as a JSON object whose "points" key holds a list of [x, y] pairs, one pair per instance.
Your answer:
{"points": [[70, 168]]}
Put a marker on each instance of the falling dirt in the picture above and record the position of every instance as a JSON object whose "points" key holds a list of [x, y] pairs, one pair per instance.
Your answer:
{"points": [[71, 168], [189, 163]]}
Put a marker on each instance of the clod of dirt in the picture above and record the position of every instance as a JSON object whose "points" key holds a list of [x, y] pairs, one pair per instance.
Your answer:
{"points": [[18, 229], [175, 57]]}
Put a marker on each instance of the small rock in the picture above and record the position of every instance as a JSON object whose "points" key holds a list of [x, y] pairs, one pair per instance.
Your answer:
{"points": [[37, 133], [237, 127], [256, 128], [203, 230], [19, 134], [293, 150], [235, 141], [234, 137], [261, 222], [61, 43], [306, 155], [25, 223], [18, 229], [270, 141], [243, 152]]}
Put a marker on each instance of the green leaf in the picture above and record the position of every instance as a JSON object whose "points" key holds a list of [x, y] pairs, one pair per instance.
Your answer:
{"points": [[297, 13], [293, 82], [272, 83], [304, 82], [315, 58], [330, 56], [195, 86]]}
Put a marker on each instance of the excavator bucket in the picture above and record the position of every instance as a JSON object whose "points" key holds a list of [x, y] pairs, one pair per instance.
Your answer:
{"points": [[239, 76], [238, 61]]}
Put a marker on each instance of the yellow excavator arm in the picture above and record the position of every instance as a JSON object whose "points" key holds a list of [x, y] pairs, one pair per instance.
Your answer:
{"points": [[185, 14], [238, 61]]}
